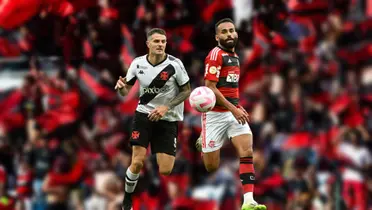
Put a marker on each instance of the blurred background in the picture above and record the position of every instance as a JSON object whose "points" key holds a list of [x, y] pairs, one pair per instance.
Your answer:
{"points": [[306, 80]]}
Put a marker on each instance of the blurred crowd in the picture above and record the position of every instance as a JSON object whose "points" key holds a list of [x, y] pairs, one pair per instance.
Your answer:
{"points": [[306, 80]]}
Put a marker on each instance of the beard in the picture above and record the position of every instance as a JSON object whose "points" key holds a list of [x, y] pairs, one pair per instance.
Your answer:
{"points": [[229, 44]]}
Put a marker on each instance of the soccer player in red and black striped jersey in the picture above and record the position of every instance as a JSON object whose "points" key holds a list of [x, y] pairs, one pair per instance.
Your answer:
{"points": [[227, 120]]}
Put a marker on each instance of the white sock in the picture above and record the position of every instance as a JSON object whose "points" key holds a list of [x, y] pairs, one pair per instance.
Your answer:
{"points": [[131, 180], [248, 198]]}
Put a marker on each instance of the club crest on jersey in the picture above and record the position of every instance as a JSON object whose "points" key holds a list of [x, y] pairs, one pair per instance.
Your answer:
{"points": [[211, 144], [164, 75], [135, 134]]}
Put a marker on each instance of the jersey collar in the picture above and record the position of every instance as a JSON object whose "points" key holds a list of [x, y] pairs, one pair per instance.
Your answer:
{"points": [[147, 59], [229, 51]]}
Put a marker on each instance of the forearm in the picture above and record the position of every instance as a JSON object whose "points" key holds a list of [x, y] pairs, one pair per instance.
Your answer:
{"points": [[182, 96], [125, 90], [221, 100]]}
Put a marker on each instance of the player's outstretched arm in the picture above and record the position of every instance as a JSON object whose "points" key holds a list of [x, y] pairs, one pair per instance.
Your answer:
{"points": [[122, 86], [240, 114]]}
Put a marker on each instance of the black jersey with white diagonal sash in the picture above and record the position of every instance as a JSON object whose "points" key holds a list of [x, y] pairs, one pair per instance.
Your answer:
{"points": [[159, 84]]}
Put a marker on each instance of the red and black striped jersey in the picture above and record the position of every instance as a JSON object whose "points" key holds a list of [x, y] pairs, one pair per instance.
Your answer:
{"points": [[223, 67]]}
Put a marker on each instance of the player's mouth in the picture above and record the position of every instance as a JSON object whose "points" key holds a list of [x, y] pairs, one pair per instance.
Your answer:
{"points": [[228, 40]]}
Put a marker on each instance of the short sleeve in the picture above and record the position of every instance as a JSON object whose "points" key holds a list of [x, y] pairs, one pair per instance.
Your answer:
{"points": [[181, 74], [213, 64], [131, 74]]}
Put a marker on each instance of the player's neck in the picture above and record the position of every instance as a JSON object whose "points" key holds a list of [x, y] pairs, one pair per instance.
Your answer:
{"points": [[156, 59], [227, 49]]}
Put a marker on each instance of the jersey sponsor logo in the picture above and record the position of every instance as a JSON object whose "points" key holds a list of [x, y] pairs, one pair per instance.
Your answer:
{"points": [[141, 72], [232, 78], [135, 134], [141, 67], [164, 75], [155, 90], [157, 84]]}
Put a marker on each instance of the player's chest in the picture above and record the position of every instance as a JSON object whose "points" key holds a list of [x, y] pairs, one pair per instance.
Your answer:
{"points": [[230, 69], [229, 60], [155, 76]]}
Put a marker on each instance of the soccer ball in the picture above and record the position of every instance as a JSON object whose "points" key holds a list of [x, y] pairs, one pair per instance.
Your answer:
{"points": [[202, 99]]}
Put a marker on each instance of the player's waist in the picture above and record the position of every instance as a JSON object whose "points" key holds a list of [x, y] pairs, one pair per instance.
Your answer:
{"points": [[169, 116], [220, 108]]}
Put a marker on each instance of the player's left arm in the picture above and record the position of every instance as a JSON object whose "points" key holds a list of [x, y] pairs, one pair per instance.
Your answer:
{"points": [[183, 94], [183, 82], [159, 112]]}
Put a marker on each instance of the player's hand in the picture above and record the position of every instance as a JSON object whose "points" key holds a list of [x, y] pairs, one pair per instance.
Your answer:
{"points": [[121, 83], [158, 113], [241, 115], [121, 86], [242, 108]]}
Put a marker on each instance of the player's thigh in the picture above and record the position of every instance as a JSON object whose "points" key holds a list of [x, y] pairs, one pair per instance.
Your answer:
{"points": [[164, 145], [141, 130], [214, 131], [165, 162], [164, 138], [241, 137]]}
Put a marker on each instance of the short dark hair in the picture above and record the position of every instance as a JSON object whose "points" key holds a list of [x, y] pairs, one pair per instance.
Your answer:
{"points": [[156, 31], [225, 20]]}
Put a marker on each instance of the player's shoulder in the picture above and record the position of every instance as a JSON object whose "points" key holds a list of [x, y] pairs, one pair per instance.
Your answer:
{"points": [[174, 60], [215, 53], [139, 59]]}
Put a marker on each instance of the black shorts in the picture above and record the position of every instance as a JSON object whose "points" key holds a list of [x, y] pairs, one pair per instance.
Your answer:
{"points": [[161, 134]]}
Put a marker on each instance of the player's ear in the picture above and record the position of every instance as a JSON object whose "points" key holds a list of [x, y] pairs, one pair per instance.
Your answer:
{"points": [[148, 43], [216, 37]]}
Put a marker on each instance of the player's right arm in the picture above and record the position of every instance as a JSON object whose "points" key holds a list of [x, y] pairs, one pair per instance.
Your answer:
{"points": [[123, 85], [240, 114], [213, 64]]}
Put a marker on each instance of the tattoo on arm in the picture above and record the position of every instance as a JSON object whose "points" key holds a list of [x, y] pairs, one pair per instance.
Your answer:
{"points": [[185, 91]]}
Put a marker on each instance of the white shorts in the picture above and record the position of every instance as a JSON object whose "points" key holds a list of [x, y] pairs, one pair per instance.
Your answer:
{"points": [[219, 126]]}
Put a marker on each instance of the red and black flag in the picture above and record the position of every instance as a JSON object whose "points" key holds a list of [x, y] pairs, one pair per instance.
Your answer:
{"points": [[10, 109], [92, 85]]}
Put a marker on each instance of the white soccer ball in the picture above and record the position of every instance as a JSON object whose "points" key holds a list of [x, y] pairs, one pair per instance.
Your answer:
{"points": [[202, 99]]}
